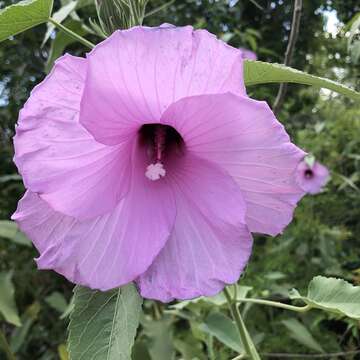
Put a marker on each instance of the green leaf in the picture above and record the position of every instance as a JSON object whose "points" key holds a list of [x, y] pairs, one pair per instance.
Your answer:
{"points": [[11, 177], [68, 309], [160, 337], [224, 329], [140, 351], [258, 72], [63, 353], [302, 335], [9, 230], [59, 16], [22, 16], [332, 295], [7, 302], [57, 301], [20, 334], [62, 40], [103, 324], [218, 300]]}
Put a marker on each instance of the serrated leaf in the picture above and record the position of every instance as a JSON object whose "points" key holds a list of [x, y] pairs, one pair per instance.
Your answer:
{"points": [[333, 295], [22, 16], [59, 16], [7, 302], [302, 335], [103, 324], [258, 72], [9, 230]]}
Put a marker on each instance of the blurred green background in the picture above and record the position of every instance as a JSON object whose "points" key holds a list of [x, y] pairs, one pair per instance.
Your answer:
{"points": [[323, 238]]}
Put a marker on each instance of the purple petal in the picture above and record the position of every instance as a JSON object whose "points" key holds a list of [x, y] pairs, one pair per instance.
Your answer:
{"points": [[136, 74], [210, 244], [243, 137], [107, 251], [58, 158]]}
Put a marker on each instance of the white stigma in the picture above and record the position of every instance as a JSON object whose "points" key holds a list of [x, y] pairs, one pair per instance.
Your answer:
{"points": [[155, 171]]}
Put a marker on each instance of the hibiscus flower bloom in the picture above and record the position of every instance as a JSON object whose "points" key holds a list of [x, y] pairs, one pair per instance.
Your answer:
{"points": [[147, 162], [311, 175]]}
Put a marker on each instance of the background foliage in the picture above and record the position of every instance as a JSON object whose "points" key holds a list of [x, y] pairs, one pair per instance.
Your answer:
{"points": [[323, 238]]}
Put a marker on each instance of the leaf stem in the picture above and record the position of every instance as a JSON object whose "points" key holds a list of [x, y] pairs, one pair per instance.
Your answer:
{"points": [[6, 347], [244, 335], [72, 34], [299, 309]]}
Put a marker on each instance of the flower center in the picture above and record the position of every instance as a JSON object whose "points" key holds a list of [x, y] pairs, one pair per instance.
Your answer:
{"points": [[308, 174], [160, 142]]}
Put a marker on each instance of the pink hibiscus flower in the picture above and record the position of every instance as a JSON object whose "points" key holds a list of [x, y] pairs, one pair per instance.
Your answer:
{"points": [[312, 176], [147, 162]]}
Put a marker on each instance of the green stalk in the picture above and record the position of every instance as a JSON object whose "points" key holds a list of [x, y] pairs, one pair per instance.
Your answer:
{"points": [[72, 34], [299, 309], [6, 347], [249, 346]]}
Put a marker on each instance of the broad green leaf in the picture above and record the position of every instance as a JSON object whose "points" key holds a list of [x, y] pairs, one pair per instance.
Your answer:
{"points": [[224, 329], [103, 324], [24, 15], [302, 335], [9, 230], [333, 295], [59, 16], [62, 40], [160, 337], [20, 334], [57, 301], [7, 302], [258, 72]]}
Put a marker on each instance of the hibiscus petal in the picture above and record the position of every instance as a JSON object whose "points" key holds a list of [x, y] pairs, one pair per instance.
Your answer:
{"points": [[110, 250], [243, 137], [210, 244], [58, 158], [136, 74]]}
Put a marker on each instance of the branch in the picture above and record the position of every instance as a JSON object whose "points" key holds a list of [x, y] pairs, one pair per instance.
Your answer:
{"points": [[294, 33], [310, 356]]}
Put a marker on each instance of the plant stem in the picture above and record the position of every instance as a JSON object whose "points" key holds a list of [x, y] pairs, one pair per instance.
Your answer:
{"points": [[277, 304], [244, 335], [72, 34], [210, 347], [294, 33], [6, 347]]}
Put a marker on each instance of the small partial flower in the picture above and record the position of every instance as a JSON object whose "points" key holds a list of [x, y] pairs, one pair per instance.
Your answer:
{"points": [[311, 175], [248, 54], [147, 162]]}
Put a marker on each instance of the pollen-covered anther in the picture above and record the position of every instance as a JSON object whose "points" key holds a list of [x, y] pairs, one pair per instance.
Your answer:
{"points": [[155, 171]]}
